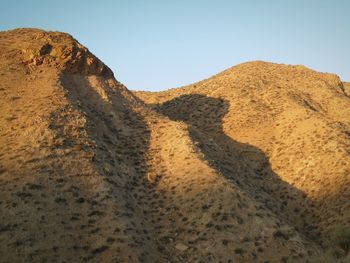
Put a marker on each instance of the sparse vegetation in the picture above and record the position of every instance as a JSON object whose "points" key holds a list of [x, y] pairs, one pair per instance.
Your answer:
{"points": [[250, 165], [339, 237]]}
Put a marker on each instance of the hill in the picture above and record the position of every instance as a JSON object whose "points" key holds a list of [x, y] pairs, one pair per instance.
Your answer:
{"points": [[286, 123], [248, 166]]}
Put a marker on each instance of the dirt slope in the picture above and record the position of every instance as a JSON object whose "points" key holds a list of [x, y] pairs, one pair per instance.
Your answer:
{"points": [[89, 173], [71, 146], [288, 124]]}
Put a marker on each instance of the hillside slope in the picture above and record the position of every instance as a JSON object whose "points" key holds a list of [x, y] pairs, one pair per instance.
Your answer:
{"points": [[288, 124], [89, 173], [71, 145]]}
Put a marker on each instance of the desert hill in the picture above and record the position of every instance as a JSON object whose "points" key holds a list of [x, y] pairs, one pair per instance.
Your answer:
{"points": [[288, 124], [251, 165], [296, 118]]}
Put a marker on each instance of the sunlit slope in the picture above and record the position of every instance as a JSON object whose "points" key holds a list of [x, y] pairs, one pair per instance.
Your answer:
{"points": [[90, 173], [72, 150], [286, 123]]}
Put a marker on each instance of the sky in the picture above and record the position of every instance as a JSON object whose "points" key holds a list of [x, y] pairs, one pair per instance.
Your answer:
{"points": [[160, 44]]}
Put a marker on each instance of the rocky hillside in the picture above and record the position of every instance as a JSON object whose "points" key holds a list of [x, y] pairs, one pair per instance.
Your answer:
{"points": [[288, 125], [251, 165], [347, 88]]}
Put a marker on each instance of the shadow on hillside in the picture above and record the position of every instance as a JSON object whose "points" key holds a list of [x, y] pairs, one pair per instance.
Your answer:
{"points": [[78, 197], [240, 163], [119, 156]]}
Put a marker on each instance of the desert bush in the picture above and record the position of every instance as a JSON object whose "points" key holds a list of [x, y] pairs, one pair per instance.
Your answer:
{"points": [[332, 255], [339, 246], [339, 237]]}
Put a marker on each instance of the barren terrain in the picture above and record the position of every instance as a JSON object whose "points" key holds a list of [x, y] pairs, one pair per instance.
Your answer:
{"points": [[250, 165]]}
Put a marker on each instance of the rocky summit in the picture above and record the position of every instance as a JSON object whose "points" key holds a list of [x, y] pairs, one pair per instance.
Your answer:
{"points": [[249, 165]]}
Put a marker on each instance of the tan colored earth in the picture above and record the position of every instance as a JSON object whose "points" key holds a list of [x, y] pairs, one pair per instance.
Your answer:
{"points": [[250, 165]]}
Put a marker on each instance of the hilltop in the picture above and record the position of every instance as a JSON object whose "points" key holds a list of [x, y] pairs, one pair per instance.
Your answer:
{"points": [[250, 165]]}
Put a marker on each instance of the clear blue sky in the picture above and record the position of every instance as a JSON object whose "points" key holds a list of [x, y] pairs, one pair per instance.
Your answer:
{"points": [[154, 45]]}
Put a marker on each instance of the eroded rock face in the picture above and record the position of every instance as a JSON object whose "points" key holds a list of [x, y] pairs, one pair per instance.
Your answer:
{"points": [[62, 51]]}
